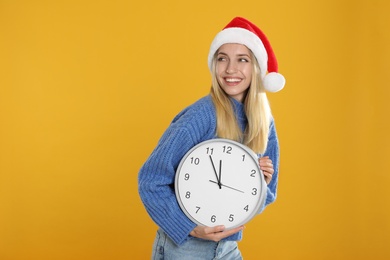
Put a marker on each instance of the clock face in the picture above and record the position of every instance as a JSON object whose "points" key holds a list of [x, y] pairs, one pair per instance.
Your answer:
{"points": [[219, 182]]}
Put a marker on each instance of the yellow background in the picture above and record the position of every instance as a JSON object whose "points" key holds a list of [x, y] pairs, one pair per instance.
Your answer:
{"points": [[88, 87]]}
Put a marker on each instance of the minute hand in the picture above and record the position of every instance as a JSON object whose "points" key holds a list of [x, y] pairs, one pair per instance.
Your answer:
{"points": [[227, 186]]}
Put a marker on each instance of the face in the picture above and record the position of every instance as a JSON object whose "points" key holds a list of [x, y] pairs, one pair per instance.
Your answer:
{"points": [[234, 69]]}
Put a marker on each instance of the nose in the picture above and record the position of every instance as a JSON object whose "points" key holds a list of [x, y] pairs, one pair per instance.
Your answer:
{"points": [[231, 67]]}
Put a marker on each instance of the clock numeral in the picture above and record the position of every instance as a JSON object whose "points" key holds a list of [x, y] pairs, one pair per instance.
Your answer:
{"points": [[254, 191], [209, 150], [243, 157], [186, 176], [227, 149], [246, 208], [195, 161], [188, 195], [231, 218], [213, 218], [253, 173], [197, 209]]}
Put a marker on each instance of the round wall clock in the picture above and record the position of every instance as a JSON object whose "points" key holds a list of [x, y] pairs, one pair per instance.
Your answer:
{"points": [[219, 182]]}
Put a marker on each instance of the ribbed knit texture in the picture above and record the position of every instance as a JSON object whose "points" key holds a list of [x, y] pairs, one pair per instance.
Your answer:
{"points": [[195, 124]]}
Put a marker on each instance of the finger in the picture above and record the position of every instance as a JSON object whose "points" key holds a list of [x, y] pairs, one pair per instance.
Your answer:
{"points": [[264, 158], [267, 170], [266, 166], [266, 162], [234, 230], [227, 233], [216, 229], [268, 178]]}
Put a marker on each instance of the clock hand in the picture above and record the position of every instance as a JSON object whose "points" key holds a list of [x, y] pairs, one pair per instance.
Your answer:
{"points": [[220, 167], [215, 171], [227, 186]]}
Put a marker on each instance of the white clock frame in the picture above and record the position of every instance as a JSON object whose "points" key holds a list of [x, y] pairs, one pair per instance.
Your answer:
{"points": [[219, 182]]}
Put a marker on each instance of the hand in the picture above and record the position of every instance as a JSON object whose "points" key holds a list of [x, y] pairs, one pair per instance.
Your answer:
{"points": [[215, 234], [267, 167], [215, 171]]}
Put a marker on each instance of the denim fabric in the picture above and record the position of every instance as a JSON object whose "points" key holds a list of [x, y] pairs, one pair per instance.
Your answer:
{"points": [[193, 249]]}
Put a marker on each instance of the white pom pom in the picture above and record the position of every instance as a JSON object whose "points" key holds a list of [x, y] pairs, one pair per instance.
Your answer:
{"points": [[274, 82]]}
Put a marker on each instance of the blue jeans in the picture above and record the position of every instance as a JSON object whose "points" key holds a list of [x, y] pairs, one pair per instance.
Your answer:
{"points": [[165, 248]]}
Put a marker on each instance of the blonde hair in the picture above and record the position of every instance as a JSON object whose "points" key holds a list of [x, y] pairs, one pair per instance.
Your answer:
{"points": [[257, 110]]}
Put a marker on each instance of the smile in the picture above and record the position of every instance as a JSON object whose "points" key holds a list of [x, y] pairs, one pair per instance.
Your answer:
{"points": [[232, 80]]}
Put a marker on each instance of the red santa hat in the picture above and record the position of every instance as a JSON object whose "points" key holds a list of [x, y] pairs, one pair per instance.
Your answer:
{"points": [[242, 31]]}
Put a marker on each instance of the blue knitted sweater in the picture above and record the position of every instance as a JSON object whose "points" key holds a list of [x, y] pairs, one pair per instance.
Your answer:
{"points": [[191, 126]]}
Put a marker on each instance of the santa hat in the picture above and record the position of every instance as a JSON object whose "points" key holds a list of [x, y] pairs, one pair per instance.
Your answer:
{"points": [[242, 31]]}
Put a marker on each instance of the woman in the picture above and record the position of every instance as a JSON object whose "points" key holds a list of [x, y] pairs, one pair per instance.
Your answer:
{"points": [[243, 67]]}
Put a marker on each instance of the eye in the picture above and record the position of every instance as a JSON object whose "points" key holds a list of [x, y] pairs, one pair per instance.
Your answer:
{"points": [[243, 60], [221, 58]]}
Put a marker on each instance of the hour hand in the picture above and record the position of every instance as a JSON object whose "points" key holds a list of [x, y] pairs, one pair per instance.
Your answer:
{"points": [[215, 171]]}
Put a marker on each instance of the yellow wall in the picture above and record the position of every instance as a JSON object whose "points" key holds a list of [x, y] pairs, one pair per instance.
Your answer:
{"points": [[88, 87]]}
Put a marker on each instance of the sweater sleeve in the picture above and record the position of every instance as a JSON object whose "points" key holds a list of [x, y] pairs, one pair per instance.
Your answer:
{"points": [[273, 152], [157, 175]]}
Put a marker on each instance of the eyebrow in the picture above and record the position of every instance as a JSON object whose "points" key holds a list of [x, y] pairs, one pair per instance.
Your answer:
{"points": [[238, 55]]}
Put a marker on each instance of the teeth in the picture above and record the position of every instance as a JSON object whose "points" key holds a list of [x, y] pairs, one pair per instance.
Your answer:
{"points": [[233, 80]]}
